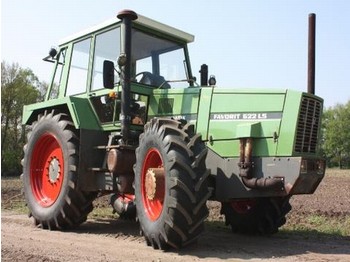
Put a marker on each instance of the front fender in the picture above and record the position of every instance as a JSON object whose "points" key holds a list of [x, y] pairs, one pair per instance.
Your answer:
{"points": [[79, 109]]}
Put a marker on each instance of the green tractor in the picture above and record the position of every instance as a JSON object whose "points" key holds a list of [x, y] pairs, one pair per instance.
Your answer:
{"points": [[124, 116]]}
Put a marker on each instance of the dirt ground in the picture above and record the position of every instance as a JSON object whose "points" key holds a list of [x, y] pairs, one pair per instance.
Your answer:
{"points": [[119, 240]]}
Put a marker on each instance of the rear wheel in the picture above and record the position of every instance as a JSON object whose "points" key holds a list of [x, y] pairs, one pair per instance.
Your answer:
{"points": [[170, 184], [50, 174], [256, 216]]}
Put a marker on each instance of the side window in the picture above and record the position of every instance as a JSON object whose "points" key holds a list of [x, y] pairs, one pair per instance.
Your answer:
{"points": [[61, 57], [107, 47], [78, 70], [141, 66], [172, 67], [144, 65]]}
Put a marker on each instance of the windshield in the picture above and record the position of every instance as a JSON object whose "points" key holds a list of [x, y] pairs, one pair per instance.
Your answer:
{"points": [[157, 61]]}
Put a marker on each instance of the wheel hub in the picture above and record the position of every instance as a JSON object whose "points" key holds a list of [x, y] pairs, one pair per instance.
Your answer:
{"points": [[243, 206], [154, 183], [54, 170]]}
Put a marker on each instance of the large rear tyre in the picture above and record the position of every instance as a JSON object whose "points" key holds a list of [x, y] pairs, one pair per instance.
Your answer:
{"points": [[256, 216], [50, 174], [171, 184]]}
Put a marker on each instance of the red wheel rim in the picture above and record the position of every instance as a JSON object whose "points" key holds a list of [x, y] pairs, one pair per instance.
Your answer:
{"points": [[153, 207], [243, 206], [46, 170]]}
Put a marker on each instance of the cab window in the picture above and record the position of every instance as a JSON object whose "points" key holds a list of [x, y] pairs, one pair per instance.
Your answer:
{"points": [[107, 47], [158, 62], [78, 71], [61, 58]]}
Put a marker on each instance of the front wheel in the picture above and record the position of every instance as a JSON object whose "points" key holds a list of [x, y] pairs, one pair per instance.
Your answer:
{"points": [[256, 216], [50, 174], [170, 184]]}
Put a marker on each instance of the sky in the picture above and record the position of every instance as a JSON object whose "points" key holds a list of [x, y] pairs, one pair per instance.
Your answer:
{"points": [[245, 43]]}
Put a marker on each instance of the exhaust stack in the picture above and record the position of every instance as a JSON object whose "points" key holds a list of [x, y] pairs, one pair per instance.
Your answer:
{"points": [[311, 54], [126, 16]]}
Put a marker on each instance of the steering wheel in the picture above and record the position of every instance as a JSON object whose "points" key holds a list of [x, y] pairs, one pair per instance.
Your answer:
{"points": [[153, 80], [143, 73]]}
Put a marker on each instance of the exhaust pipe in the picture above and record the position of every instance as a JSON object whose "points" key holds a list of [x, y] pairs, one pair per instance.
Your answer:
{"points": [[246, 165], [267, 183], [204, 75], [311, 54], [126, 16]]}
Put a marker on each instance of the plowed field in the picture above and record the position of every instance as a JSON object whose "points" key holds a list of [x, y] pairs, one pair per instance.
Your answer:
{"points": [[109, 239]]}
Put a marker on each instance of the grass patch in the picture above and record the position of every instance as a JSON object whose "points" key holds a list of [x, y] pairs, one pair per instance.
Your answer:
{"points": [[18, 206], [102, 208], [320, 225], [306, 226], [102, 212], [12, 197]]}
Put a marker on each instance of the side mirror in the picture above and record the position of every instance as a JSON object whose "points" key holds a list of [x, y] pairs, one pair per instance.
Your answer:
{"points": [[108, 74]]}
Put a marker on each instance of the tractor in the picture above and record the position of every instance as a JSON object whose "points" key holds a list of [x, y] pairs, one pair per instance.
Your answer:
{"points": [[124, 116]]}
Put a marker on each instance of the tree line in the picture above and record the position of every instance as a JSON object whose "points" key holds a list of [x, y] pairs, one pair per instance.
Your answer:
{"points": [[336, 135], [20, 86]]}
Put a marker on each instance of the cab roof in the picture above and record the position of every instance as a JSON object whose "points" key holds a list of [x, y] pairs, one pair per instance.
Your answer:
{"points": [[141, 20]]}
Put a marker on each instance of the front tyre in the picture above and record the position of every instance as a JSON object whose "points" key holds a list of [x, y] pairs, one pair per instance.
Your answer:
{"points": [[256, 216], [50, 174], [170, 184]]}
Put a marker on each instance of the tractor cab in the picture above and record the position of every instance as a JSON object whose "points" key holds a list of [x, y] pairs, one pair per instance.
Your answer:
{"points": [[159, 61], [121, 63], [158, 56]]}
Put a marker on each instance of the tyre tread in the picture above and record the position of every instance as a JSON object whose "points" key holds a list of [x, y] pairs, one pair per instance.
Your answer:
{"points": [[76, 204], [187, 210]]}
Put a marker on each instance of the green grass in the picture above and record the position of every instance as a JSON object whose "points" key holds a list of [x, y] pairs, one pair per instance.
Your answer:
{"points": [[312, 226], [320, 225], [102, 212]]}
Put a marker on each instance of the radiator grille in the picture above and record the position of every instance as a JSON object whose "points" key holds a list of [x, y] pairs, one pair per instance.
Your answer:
{"points": [[308, 126]]}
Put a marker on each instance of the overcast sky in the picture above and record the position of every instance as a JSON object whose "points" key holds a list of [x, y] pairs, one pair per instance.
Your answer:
{"points": [[246, 43]]}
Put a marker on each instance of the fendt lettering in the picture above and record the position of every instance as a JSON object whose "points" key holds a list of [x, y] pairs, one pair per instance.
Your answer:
{"points": [[125, 117]]}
